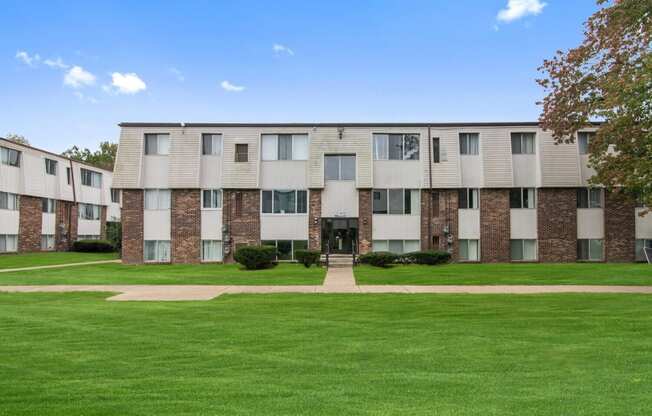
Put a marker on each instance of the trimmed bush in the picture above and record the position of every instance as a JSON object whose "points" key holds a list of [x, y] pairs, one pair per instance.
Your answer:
{"points": [[307, 257], [427, 257], [378, 258], [93, 246], [256, 257]]}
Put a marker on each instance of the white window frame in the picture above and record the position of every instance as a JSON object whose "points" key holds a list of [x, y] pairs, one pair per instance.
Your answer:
{"points": [[47, 242], [639, 246], [12, 201], [375, 242], [212, 260], [270, 143], [523, 138], [465, 137], [159, 258], [476, 198], [522, 242], [217, 144], [523, 192], [339, 166], [379, 139], [116, 196], [162, 144], [296, 202], [466, 241], [291, 247], [590, 257], [413, 210], [50, 205], [95, 212], [160, 206], [91, 178], [51, 167], [591, 201], [89, 237], [213, 197], [4, 242], [5, 159], [584, 141]]}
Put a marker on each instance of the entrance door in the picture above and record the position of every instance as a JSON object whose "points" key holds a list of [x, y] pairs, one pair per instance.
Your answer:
{"points": [[339, 235]]}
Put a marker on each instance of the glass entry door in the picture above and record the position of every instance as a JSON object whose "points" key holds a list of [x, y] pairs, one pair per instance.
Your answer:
{"points": [[339, 235]]}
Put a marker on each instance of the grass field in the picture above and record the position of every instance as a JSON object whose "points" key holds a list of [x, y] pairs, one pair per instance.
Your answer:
{"points": [[177, 274], [67, 354], [11, 261], [508, 274]]}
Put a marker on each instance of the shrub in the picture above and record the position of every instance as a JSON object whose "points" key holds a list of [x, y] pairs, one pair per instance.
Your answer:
{"points": [[307, 257], [256, 257], [427, 257], [378, 259], [114, 234], [93, 246]]}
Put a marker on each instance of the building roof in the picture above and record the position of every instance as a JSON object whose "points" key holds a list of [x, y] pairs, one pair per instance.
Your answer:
{"points": [[343, 124]]}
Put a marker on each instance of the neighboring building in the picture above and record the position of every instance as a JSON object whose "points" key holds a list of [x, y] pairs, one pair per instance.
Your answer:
{"points": [[48, 201], [490, 192]]}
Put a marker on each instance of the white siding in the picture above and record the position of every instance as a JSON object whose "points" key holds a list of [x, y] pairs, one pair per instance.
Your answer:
{"points": [[496, 151], [155, 171], [283, 227], [185, 153], [326, 140], [469, 224], [129, 159], [446, 173], [211, 172], [284, 174], [471, 171], [89, 227], [398, 173], [48, 223], [587, 172], [525, 171], [156, 224], [339, 199], [590, 223], [9, 221], [523, 223], [559, 162], [643, 225], [396, 227], [11, 179], [211, 224]]}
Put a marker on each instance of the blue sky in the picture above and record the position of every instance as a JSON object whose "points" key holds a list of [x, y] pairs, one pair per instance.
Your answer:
{"points": [[72, 70]]}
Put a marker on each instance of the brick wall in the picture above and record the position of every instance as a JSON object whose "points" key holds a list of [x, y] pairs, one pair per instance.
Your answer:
{"points": [[66, 214], [30, 224], [557, 224], [314, 220], [494, 225], [241, 215], [444, 215], [132, 226], [619, 227], [185, 226], [364, 221]]}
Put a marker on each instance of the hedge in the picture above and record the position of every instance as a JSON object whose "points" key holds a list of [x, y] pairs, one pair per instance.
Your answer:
{"points": [[378, 258], [427, 257], [256, 257], [307, 257], [93, 246]]}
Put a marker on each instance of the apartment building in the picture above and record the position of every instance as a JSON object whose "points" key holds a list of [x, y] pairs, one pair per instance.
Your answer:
{"points": [[487, 192], [48, 201]]}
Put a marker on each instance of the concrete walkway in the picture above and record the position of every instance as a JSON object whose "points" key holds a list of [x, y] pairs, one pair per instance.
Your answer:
{"points": [[338, 280], [56, 266]]}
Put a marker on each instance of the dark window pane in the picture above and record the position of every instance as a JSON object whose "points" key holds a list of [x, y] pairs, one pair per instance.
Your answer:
{"points": [[380, 201], [408, 202], [348, 168], [464, 144], [516, 143], [435, 204], [515, 198], [396, 147], [516, 249], [284, 249], [331, 168], [284, 202], [396, 201], [435, 149], [207, 199], [267, 202], [284, 147], [411, 147], [582, 249], [207, 144], [473, 196], [302, 202], [526, 199], [582, 198], [463, 198], [241, 152]]}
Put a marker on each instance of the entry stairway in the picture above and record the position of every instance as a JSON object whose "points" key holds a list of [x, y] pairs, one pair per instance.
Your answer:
{"points": [[338, 260]]}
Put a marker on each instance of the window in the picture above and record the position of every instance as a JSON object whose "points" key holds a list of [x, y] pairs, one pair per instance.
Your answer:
{"points": [[396, 246], [89, 212], [523, 143], [589, 250], [395, 201], [435, 150], [157, 199], [8, 243], [589, 198], [115, 196], [91, 178], [641, 245], [211, 144], [241, 152], [523, 250], [47, 241], [157, 251], [8, 201], [435, 203], [396, 146], [48, 205], [10, 157], [468, 198], [88, 237], [211, 250], [521, 198], [285, 147], [50, 167], [286, 249], [584, 140], [285, 202], [469, 143], [469, 250], [157, 144], [212, 198], [68, 176], [339, 167]]}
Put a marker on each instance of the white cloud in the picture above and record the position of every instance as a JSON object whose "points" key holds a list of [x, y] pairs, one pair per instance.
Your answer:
{"points": [[56, 63], [78, 77], [125, 84], [178, 74], [25, 58], [517, 9], [281, 49], [227, 86]]}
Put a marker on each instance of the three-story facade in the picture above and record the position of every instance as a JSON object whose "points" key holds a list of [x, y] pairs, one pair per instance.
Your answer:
{"points": [[489, 192]]}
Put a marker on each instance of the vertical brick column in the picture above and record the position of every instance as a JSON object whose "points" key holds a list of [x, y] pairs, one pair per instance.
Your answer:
{"points": [[364, 221], [619, 227], [241, 215], [185, 226], [444, 215], [103, 214], [132, 226], [30, 220], [494, 225], [66, 214], [557, 224], [314, 220]]}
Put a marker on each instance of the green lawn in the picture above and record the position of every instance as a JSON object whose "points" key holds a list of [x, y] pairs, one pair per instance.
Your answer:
{"points": [[508, 274], [70, 354], [171, 274], [11, 261]]}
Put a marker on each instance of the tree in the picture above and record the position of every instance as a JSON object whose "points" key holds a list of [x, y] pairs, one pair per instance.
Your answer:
{"points": [[16, 138], [103, 158], [608, 78]]}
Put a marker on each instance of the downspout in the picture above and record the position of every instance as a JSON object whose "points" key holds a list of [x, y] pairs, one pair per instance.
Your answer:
{"points": [[74, 202], [430, 187]]}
